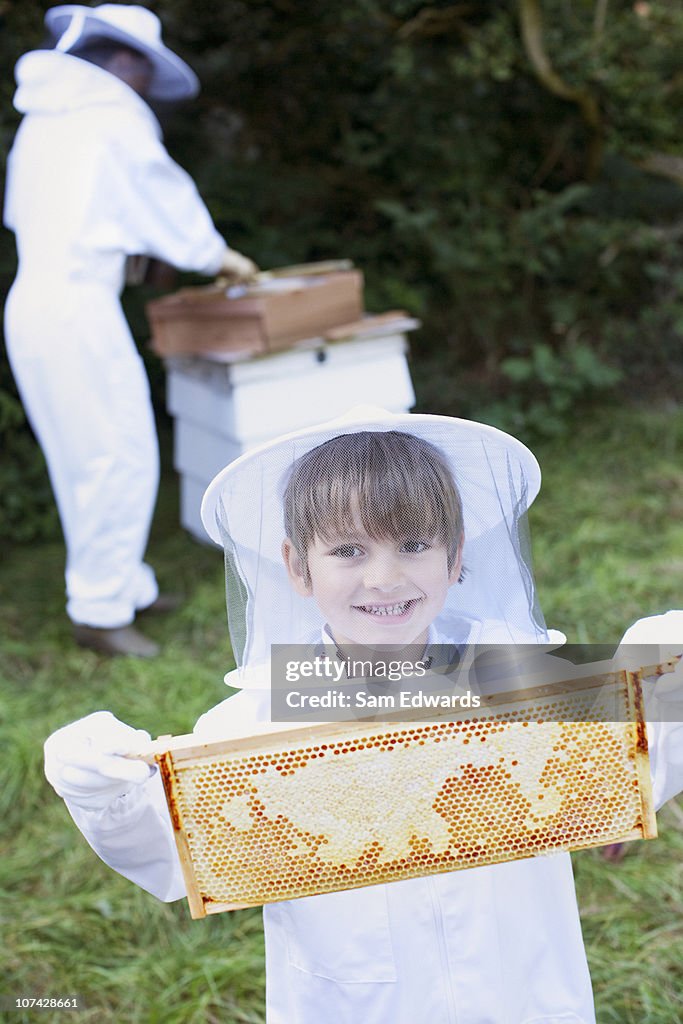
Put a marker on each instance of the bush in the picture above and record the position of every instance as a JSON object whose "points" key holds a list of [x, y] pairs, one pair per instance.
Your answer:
{"points": [[27, 509]]}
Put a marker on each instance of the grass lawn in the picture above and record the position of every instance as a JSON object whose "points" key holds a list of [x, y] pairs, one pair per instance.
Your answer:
{"points": [[608, 547]]}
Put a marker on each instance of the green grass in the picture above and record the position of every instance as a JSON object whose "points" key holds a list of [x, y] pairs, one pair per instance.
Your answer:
{"points": [[607, 528], [608, 547]]}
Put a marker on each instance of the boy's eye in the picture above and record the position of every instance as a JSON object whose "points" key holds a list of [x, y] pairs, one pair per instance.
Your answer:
{"points": [[347, 551], [415, 547]]}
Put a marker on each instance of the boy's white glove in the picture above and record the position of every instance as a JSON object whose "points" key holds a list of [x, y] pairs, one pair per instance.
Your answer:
{"points": [[664, 632], [84, 762]]}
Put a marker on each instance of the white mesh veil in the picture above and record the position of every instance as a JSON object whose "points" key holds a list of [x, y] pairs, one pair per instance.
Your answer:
{"points": [[390, 495]]}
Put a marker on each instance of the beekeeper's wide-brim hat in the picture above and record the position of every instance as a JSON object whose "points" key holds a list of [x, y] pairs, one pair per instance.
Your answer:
{"points": [[485, 460], [134, 26]]}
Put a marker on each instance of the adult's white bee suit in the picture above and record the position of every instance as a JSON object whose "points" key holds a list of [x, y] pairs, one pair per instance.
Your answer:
{"points": [[90, 182], [491, 945]]}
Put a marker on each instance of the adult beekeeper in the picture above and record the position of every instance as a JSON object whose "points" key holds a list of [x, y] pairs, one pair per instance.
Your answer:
{"points": [[89, 183]]}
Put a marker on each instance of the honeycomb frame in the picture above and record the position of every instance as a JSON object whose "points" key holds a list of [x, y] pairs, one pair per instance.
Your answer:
{"points": [[320, 808]]}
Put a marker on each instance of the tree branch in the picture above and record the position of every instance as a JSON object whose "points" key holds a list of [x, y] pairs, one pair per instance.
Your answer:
{"points": [[531, 25]]}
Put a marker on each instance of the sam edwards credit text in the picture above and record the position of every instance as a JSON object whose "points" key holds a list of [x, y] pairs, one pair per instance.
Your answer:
{"points": [[402, 700]]}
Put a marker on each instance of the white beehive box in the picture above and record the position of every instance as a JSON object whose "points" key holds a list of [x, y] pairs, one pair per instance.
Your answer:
{"points": [[223, 408]]}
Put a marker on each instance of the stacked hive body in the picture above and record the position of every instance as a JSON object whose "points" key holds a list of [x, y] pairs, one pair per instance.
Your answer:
{"points": [[330, 807], [223, 409]]}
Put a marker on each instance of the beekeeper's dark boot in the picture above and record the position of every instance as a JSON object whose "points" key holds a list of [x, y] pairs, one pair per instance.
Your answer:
{"points": [[120, 641], [165, 602]]}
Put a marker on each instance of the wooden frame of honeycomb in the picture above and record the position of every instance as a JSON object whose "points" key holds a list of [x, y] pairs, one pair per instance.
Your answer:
{"points": [[314, 809]]}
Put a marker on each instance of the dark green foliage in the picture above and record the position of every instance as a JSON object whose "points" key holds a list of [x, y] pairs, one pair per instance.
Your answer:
{"points": [[27, 510], [548, 387], [417, 139]]}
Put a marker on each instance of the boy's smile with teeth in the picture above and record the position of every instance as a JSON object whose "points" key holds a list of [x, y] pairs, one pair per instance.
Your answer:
{"points": [[374, 590], [388, 609]]}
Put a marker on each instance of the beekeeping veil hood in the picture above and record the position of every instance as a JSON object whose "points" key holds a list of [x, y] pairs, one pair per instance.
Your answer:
{"points": [[496, 476], [131, 25]]}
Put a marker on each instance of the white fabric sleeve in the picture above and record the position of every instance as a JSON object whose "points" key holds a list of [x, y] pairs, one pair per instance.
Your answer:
{"points": [[665, 740], [663, 702], [174, 222], [665, 736], [159, 210], [134, 836]]}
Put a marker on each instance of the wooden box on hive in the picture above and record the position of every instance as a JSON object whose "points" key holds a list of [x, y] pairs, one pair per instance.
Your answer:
{"points": [[268, 316]]}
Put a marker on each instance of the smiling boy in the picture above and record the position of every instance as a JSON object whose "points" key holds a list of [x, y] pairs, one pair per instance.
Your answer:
{"points": [[380, 513]]}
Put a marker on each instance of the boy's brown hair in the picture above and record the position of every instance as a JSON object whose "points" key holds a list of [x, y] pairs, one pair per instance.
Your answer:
{"points": [[400, 484]]}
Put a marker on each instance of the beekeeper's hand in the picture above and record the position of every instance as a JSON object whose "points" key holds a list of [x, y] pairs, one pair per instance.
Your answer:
{"points": [[236, 267], [84, 761]]}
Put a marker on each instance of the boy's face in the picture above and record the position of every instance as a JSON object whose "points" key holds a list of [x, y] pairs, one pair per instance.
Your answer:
{"points": [[375, 591]]}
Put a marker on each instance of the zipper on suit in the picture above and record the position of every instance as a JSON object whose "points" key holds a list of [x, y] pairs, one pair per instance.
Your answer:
{"points": [[443, 949]]}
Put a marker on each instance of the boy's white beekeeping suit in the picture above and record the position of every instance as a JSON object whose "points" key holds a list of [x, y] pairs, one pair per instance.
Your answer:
{"points": [[493, 945], [445, 948], [89, 182]]}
